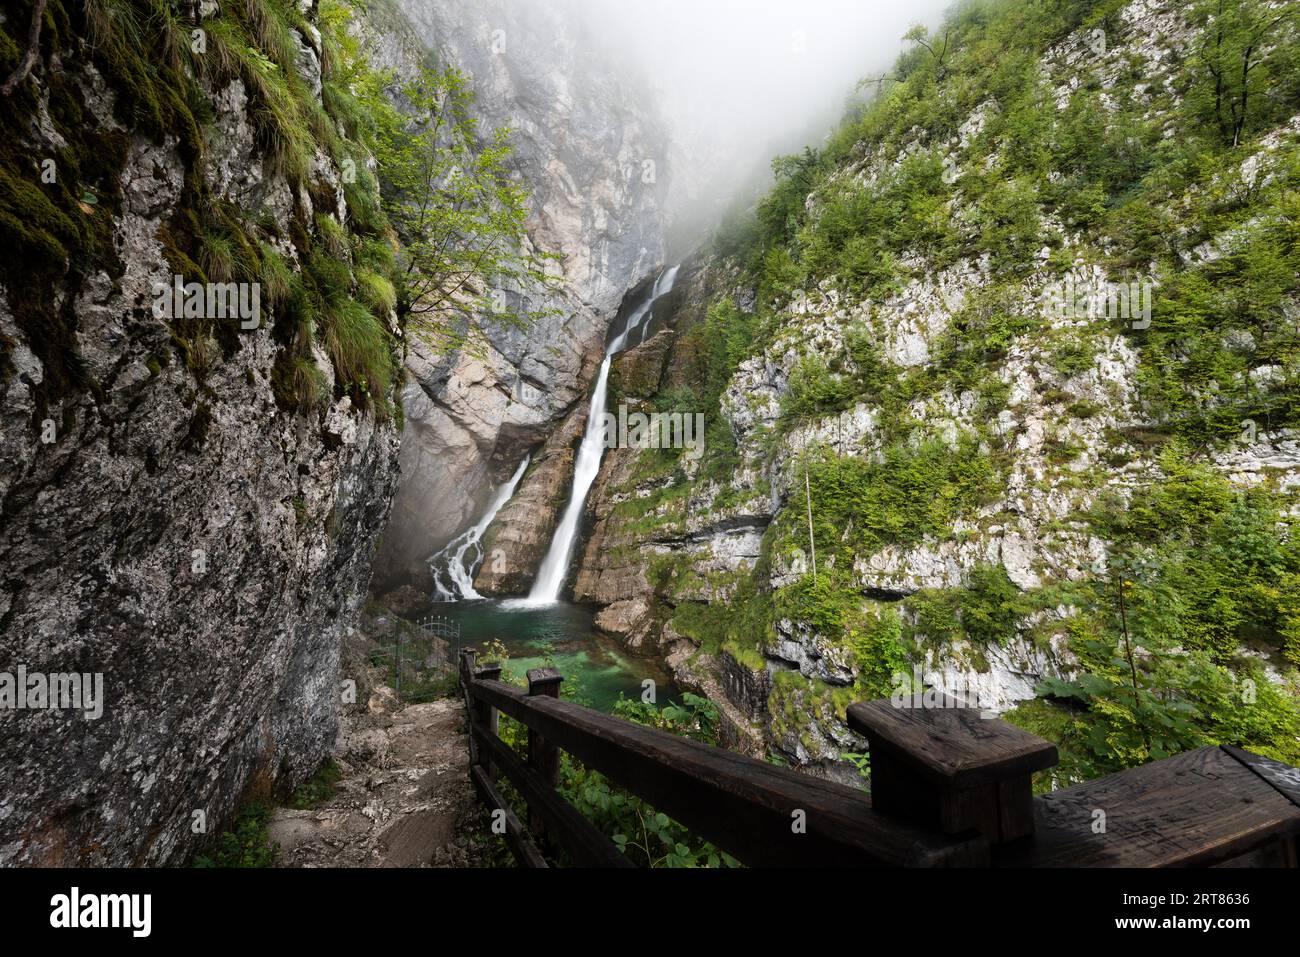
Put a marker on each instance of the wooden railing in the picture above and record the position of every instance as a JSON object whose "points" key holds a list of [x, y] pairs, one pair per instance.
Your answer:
{"points": [[949, 789]]}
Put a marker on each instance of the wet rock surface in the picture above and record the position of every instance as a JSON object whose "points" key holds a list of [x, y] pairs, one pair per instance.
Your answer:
{"points": [[583, 136], [176, 532]]}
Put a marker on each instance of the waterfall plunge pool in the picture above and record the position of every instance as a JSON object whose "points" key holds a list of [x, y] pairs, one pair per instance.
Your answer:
{"points": [[541, 629], [596, 668]]}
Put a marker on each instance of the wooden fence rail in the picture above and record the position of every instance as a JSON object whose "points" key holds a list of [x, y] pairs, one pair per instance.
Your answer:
{"points": [[949, 789]]}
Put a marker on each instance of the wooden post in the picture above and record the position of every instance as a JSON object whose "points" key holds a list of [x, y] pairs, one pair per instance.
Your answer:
{"points": [[938, 763], [467, 659], [486, 716], [479, 712], [543, 757]]}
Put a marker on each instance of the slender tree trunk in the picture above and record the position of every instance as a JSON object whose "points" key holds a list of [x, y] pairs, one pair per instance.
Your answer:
{"points": [[1245, 96], [1132, 665], [807, 497]]}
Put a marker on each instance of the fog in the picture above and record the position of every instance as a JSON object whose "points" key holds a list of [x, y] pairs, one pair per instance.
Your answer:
{"points": [[740, 81]]}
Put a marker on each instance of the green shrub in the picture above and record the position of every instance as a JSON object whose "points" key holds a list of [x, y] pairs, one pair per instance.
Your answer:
{"points": [[245, 844], [815, 391], [915, 491]]}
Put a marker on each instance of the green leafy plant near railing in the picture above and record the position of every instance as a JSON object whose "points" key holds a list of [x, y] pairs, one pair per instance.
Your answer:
{"points": [[649, 837], [318, 787]]}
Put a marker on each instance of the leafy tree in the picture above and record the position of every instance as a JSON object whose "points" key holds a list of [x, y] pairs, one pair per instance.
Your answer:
{"points": [[782, 211], [1240, 50], [937, 48], [460, 214]]}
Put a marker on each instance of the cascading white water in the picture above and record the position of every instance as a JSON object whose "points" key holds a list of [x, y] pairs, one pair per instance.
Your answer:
{"points": [[550, 575], [452, 559]]}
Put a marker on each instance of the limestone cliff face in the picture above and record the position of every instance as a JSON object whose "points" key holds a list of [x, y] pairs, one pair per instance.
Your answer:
{"points": [[658, 538], [589, 151], [695, 563], [167, 524]]}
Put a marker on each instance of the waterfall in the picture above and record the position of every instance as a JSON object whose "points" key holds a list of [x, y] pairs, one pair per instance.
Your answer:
{"points": [[452, 559], [554, 567]]}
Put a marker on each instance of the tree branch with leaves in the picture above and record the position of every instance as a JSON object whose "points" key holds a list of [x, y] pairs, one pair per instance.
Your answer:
{"points": [[461, 215]]}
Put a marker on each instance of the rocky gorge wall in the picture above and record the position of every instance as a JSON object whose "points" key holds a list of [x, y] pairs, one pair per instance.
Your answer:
{"points": [[973, 489], [590, 151], [173, 520]]}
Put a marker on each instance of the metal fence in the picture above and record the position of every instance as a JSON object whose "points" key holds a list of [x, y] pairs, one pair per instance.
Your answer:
{"points": [[420, 658]]}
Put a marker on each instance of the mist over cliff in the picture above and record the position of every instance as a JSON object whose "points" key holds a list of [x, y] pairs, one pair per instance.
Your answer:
{"points": [[740, 81]]}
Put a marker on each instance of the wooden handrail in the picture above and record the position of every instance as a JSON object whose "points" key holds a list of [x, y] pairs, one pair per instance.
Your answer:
{"points": [[952, 790], [759, 813]]}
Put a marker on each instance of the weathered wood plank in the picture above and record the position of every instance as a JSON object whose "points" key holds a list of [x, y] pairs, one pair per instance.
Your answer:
{"points": [[1281, 777], [468, 658], [951, 746], [573, 832], [543, 757], [760, 813], [939, 764], [1199, 808], [521, 845], [483, 714]]}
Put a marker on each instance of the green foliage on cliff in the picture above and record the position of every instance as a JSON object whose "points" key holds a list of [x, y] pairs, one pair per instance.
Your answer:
{"points": [[860, 505], [332, 278], [987, 609], [1211, 570], [161, 68], [971, 153], [1198, 573], [712, 351], [54, 238], [880, 654]]}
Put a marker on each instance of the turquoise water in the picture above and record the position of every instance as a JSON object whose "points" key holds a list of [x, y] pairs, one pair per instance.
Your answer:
{"points": [[562, 636]]}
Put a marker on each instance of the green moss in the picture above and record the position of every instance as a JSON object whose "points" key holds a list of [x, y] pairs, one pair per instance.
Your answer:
{"points": [[10, 53], [746, 657], [743, 624], [54, 238]]}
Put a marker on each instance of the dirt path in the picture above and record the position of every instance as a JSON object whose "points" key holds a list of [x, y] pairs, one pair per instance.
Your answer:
{"points": [[404, 799]]}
